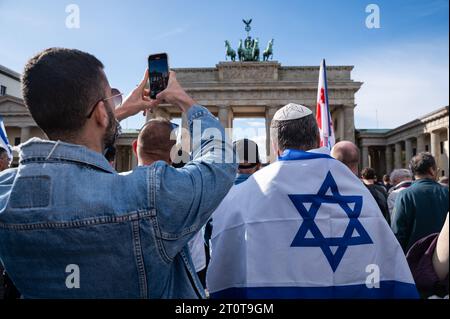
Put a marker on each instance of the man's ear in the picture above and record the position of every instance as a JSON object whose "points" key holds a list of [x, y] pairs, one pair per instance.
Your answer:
{"points": [[433, 172], [135, 147], [101, 115]]}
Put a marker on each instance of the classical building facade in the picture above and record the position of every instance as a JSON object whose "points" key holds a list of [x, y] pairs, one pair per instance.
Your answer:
{"points": [[385, 150], [9, 82], [258, 89]]}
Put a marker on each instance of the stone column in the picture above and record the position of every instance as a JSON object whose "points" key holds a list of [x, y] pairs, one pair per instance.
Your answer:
{"points": [[434, 145], [160, 112], [270, 112], [388, 159], [398, 155], [365, 156], [382, 162], [224, 115], [128, 152], [420, 143], [341, 124], [185, 138], [25, 134], [230, 117], [408, 150], [118, 159], [349, 123], [184, 121], [446, 159]]}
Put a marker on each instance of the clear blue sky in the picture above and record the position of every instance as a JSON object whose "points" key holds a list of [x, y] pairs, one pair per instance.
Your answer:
{"points": [[404, 64]]}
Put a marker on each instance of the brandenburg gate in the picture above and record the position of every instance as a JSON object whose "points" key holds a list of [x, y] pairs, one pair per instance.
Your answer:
{"points": [[258, 89]]}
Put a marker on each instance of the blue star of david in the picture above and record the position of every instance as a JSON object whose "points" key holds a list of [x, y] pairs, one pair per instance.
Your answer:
{"points": [[308, 224]]}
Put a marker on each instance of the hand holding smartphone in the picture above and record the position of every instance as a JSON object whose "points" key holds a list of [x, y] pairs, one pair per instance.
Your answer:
{"points": [[158, 73]]}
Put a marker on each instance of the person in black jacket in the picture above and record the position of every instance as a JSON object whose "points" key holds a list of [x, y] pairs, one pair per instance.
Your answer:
{"points": [[348, 153], [378, 192]]}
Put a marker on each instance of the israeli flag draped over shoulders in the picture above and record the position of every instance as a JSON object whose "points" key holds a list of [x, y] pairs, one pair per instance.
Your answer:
{"points": [[305, 227], [4, 143]]}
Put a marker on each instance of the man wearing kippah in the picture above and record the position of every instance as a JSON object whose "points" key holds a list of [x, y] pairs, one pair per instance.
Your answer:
{"points": [[303, 227]]}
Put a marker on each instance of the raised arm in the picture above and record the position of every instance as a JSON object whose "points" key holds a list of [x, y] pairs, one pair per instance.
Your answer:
{"points": [[187, 197]]}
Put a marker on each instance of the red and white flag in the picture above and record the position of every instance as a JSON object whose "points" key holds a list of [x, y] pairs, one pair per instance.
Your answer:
{"points": [[323, 115]]}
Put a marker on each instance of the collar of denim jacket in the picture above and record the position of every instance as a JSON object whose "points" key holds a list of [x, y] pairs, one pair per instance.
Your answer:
{"points": [[39, 150]]}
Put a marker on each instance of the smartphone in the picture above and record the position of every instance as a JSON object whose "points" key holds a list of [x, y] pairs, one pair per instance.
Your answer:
{"points": [[158, 73]]}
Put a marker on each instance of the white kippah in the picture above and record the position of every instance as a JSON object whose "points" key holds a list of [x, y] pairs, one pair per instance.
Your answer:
{"points": [[291, 111]]}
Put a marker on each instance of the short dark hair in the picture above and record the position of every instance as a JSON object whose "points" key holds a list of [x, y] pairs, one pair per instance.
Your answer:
{"points": [[368, 173], [421, 163], [247, 152], [386, 178], [59, 86], [155, 141], [3, 151], [299, 134]]}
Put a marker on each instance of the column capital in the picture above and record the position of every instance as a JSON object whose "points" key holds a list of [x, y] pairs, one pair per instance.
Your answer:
{"points": [[398, 155], [224, 115], [271, 110], [25, 134], [408, 149]]}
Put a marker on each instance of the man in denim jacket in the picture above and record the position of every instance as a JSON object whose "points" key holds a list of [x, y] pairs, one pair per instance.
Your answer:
{"points": [[70, 226]]}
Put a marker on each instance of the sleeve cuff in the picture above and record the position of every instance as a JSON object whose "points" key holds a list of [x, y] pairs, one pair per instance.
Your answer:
{"points": [[196, 111]]}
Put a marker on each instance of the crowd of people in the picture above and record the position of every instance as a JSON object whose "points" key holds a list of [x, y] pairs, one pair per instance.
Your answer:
{"points": [[72, 227]]}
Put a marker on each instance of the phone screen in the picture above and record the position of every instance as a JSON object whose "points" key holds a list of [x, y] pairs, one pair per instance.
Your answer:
{"points": [[158, 73]]}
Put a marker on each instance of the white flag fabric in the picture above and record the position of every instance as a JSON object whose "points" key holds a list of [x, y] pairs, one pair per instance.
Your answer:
{"points": [[197, 250], [305, 227], [323, 114], [4, 143]]}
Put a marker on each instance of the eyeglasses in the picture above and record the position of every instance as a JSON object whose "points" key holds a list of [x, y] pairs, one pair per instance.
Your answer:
{"points": [[116, 97]]}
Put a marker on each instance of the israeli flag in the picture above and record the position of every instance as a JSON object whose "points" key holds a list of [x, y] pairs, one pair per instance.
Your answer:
{"points": [[4, 143], [305, 227]]}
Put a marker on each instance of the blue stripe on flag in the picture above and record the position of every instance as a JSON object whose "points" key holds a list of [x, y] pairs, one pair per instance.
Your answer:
{"points": [[294, 155], [4, 143], [3, 134], [387, 290]]}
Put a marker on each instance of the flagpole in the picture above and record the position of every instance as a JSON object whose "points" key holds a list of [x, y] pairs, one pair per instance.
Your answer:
{"points": [[323, 115]]}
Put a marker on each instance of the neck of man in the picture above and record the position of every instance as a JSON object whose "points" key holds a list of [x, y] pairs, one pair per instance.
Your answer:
{"points": [[368, 181], [402, 181], [149, 161], [426, 176]]}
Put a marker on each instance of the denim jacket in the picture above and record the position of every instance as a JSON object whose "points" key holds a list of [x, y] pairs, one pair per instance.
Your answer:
{"points": [[72, 227]]}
